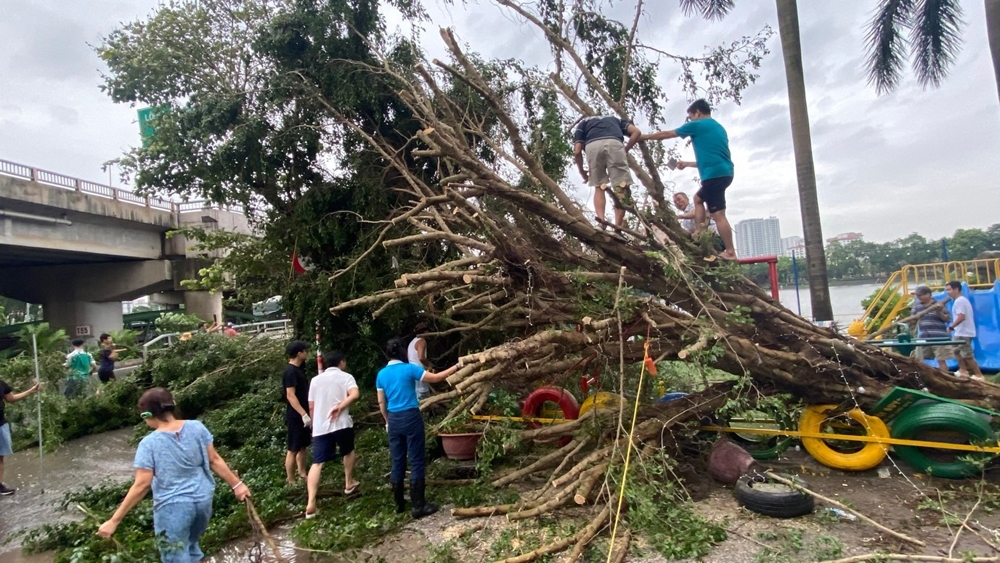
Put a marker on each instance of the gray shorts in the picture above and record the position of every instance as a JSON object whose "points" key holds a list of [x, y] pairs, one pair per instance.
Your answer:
{"points": [[608, 164]]}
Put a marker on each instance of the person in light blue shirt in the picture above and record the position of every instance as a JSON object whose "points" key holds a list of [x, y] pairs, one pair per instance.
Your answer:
{"points": [[715, 168], [176, 460], [397, 399]]}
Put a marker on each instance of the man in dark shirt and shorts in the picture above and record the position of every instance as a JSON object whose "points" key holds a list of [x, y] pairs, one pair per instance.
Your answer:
{"points": [[295, 389], [108, 354], [715, 168], [932, 325], [602, 139]]}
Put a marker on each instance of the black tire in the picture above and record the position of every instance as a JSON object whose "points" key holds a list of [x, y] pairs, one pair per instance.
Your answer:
{"points": [[784, 503]]}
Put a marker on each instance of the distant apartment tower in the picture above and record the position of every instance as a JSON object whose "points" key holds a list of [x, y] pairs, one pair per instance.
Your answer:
{"points": [[758, 237], [845, 237], [793, 245]]}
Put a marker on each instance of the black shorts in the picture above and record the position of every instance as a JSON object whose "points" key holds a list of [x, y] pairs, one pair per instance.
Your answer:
{"points": [[299, 436], [326, 446], [713, 193], [105, 376]]}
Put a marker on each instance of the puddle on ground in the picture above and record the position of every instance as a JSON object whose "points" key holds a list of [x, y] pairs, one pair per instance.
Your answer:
{"points": [[42, 482]]}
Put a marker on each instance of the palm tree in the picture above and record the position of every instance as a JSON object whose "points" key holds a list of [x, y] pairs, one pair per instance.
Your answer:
{"points": [[935, 30], [788, 27], [993, 35]]}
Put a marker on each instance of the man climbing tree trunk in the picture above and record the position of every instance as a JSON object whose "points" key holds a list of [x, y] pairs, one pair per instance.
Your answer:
{"points": [[791, 50]]}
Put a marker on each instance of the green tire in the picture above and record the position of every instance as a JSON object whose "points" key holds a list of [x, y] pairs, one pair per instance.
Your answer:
{"points": [[941, 417]]}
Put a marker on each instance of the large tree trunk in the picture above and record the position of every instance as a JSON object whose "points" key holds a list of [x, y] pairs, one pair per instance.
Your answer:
{"points": [[993, 34], [791, 49]]}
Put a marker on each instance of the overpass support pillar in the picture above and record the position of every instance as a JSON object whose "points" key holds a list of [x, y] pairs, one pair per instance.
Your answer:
{"points": [[205, 305], [81, 316]]}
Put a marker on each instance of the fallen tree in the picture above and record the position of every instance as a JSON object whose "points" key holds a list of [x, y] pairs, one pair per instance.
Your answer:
{"points": [[565, 293], [329, 122]]}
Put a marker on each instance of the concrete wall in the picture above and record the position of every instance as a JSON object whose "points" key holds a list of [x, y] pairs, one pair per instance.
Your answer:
{"points": [[204, 305], [107, 239], [97, 317]]}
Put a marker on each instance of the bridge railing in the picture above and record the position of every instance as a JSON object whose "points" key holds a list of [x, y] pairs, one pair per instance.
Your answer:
{"points": [[33, 174]]}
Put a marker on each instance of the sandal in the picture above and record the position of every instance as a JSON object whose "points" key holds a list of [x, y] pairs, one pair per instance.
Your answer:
{"points": [[310, 515], [351, 490]]}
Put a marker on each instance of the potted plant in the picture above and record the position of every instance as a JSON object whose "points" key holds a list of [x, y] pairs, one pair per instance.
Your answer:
{"points": [[460, 437]]}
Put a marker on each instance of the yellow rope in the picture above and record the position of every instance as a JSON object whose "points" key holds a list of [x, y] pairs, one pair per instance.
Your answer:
{"points": [[628, 452]]}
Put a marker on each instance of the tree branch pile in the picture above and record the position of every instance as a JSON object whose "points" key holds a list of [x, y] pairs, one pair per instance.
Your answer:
{"points": [[536, 280]]}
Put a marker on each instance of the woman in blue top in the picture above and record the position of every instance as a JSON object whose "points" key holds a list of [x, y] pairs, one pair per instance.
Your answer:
{"points": [[177, 459], [397, 399]]}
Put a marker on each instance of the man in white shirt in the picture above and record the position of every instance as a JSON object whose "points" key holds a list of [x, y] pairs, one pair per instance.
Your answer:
{"points": [[330, 395], [963, 327], [416, 353]]}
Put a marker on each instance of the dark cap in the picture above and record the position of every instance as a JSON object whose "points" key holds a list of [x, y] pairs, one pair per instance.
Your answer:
{"points": [[921, 290]]}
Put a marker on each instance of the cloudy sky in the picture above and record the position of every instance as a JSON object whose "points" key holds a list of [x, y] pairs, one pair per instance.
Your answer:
{"points": [[915, 160]]}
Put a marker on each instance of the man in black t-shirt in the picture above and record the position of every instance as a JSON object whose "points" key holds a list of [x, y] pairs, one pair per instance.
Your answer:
{"points": [[107, 356], [7, 395], [295, 391]]}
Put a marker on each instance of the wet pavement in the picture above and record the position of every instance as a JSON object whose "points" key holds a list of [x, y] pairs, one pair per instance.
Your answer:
{"points": [[42, 482]]}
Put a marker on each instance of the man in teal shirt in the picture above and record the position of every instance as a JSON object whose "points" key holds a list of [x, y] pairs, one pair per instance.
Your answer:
{"points": [[715, 167]]}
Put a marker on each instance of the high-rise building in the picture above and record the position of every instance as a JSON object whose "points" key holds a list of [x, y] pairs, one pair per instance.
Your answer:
{"points": [[793, 245], [758, 237]]}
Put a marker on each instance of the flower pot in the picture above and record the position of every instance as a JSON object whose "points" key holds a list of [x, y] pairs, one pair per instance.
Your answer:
{"points": [[460, 446]]}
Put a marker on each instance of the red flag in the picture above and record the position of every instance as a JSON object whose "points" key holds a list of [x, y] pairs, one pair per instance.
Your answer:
{"points": [[301, 264]]}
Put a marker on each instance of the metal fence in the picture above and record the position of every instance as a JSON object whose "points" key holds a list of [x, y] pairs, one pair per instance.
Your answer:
{"points": [[33, 174], [277, 328]]}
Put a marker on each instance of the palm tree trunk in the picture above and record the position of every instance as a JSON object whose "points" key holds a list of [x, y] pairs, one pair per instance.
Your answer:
{"points": [[993, 34], [819, 290]]}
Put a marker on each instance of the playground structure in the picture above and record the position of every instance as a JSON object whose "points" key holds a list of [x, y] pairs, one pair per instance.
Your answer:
{"points": [[980, 283]]}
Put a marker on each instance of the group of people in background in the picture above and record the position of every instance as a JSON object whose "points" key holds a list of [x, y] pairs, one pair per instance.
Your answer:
{"points": [[603, 140], [80, 364], [317, 413], [959, 324]]}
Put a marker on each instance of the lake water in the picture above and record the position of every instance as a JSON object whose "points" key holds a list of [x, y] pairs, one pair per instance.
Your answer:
{"points": [[845, 299]]}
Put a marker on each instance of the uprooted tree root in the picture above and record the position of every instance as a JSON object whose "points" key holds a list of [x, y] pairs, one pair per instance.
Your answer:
{"points": [[565, 295]]}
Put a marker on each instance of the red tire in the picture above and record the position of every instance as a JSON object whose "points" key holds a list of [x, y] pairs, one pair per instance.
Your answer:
{"points": [[566, 401]]}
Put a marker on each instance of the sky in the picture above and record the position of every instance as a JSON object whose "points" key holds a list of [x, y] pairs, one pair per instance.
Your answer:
{"points": [[916, 160]]}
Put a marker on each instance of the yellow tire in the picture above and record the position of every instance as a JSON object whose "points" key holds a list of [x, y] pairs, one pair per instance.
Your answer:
{"points": [[867, 456], [602, 400]]}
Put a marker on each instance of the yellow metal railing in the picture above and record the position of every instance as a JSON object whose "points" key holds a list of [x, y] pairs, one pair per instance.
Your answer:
{"points": [[895, 294]]}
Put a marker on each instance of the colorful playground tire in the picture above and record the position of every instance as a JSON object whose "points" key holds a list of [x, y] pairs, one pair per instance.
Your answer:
{"points": [[601, 400], [534, 405], [762, 447], [918, 420], [868, 456]]}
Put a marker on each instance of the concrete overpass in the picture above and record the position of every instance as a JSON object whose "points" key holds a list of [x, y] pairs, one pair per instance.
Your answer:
{"points": [[80, 248]]}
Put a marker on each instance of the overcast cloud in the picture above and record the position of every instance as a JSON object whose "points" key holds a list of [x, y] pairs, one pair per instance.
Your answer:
{"points": [[915, 160]]}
